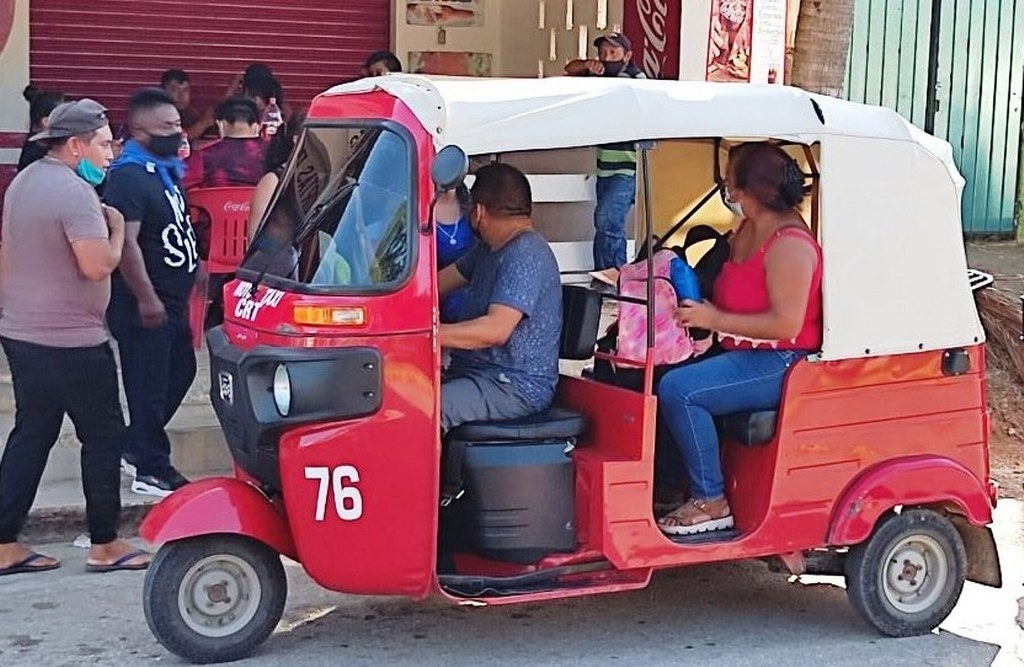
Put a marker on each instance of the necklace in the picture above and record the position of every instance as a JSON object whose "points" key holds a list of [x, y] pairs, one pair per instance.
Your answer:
{"points": [[452, 240]]}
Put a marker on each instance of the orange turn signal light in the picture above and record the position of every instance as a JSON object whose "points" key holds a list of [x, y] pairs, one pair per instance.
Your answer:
{"points": [[330, 316]]}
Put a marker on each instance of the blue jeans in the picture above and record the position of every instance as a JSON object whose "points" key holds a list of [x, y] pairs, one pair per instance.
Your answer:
{"points": [[691, 396], [615, 196]]}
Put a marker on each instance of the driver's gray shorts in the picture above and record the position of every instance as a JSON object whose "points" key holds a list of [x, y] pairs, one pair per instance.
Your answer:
{"points": [[475, 397]]}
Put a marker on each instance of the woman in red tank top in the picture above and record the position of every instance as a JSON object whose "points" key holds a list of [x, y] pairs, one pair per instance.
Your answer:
{"points": [[766, 308]]}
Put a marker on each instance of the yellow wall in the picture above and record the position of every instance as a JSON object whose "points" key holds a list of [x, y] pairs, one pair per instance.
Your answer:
{"points": [[682, 172]]}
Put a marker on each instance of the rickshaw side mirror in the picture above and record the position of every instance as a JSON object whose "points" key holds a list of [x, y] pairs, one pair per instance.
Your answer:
{"points": [[451, 164]]}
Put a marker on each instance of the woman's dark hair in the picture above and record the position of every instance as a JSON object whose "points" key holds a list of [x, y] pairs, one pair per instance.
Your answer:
{"points": [[237, 108], [41, 104], [254, 72], [282, 144], [503, 190], [265, 87], [465, 200], [767, 173]]}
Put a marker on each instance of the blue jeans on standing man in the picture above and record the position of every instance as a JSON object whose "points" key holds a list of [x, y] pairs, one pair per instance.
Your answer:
{"points": [[690, 397], [615, 195]]}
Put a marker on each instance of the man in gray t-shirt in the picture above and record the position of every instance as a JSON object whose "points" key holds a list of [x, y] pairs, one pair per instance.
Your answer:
{"points": [[504, 351], [60, 246]]}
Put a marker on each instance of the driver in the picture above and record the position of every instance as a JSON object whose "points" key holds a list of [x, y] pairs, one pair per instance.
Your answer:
{"points": [[504, 349]]}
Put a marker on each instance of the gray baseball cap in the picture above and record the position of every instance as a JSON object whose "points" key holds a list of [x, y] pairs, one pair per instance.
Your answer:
{"points": [[73, 118]]}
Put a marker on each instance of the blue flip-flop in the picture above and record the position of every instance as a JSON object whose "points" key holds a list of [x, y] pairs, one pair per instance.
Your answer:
{"points": [[25, 565], [120, 564]]}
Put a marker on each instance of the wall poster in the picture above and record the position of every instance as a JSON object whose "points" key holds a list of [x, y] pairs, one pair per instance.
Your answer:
{"points": [[445, 13]]}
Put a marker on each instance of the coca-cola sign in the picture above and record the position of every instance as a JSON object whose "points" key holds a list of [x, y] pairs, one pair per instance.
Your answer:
{"points": [[236, 207], [653, 27]]}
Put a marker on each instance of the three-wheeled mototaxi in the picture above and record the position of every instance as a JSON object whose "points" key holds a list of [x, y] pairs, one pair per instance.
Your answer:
{"points": [[327, 370]]}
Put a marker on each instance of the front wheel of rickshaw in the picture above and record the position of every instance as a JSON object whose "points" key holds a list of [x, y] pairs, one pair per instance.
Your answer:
{"points": [[907, 577], [214, 598]]}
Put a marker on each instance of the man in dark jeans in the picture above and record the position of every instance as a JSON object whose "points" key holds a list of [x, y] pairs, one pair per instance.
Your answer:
{"points": [[60, 247], [148, 312]]}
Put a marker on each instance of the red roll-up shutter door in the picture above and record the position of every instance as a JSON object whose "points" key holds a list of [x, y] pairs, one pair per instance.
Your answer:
{"points": [[109, 48]]}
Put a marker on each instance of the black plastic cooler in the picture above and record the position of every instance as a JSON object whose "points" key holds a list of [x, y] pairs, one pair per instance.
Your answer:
{"points": [[510, 488]]}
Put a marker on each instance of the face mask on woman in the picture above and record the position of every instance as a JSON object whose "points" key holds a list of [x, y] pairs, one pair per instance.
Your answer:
{"points": [[732, 204]]}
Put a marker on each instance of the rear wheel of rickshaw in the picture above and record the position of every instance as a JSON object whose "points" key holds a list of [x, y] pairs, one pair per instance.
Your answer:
{"points": [[214, 598], [907, 577]]}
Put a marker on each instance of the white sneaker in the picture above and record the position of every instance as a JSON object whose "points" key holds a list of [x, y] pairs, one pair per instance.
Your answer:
{"points": [[150, 486]]}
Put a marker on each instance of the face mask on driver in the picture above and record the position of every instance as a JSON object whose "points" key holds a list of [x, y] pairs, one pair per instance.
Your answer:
{"points": [[167, 146], [731, 204], [90, 173], [613, 67]]}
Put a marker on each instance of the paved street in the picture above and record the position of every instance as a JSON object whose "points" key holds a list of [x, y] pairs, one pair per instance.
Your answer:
{"points": [[733, 614]]}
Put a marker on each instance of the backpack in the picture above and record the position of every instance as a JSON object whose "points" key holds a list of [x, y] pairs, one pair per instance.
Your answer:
{"points": [[672, 344]]}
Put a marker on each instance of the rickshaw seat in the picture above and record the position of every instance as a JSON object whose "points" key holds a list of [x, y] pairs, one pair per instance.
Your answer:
{"points": [[551, 424], [749, 428], [581, 317]]}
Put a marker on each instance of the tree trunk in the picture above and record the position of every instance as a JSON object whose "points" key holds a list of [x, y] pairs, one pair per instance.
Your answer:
{"points": [[822, 45]]}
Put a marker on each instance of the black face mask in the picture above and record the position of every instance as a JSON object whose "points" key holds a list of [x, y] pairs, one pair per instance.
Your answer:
{"points": [[613, 67], [166, 146]]}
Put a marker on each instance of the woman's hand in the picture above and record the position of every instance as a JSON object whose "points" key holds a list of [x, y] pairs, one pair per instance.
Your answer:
{"points": [[697, 315]]}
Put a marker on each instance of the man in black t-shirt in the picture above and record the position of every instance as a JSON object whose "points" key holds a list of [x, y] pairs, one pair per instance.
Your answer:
{"points": [[148, 312]]}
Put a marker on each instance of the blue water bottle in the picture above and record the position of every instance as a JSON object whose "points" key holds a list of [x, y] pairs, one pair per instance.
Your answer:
{"points": [[684, 281]]}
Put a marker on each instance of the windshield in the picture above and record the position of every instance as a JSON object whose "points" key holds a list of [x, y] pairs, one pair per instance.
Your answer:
{"points": [[341, 218]]}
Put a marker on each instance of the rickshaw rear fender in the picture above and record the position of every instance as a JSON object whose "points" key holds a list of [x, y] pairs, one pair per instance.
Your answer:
{"points": [[916, 481], [219, 505]]}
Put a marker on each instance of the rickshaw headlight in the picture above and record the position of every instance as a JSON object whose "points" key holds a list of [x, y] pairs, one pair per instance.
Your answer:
{"points": [[282, 390]]}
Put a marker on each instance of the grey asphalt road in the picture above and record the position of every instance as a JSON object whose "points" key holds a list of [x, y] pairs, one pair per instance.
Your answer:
{"points": [[727, 614]]}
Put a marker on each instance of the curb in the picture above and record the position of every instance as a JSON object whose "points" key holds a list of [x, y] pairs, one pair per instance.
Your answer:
{"points": [[63, 524]]}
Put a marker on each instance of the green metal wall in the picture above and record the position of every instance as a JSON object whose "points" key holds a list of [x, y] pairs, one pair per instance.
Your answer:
{"points": [[954, 68]]}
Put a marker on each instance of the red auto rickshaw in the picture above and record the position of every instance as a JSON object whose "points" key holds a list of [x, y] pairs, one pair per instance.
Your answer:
{"points": [[326, 372]]}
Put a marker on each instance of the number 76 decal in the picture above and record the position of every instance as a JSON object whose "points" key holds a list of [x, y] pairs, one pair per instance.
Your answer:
{"points": [[348, 502]]}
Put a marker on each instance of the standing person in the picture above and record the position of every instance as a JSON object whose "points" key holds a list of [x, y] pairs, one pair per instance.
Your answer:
{"points": [[41, 104], [279, 151], [616, 163], [178, 85], [60, 247], [148, 312]]}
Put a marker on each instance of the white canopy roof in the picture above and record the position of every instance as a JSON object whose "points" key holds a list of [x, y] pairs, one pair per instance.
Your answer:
{"points": [[895, 271], [486, 115]]}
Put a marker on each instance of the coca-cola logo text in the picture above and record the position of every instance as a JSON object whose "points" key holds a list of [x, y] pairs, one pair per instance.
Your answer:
{"points": [[236, 207], [653, 15]]}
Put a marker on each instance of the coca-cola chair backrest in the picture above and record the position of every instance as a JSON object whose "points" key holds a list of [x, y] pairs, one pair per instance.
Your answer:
{"points": [[227, 209]]}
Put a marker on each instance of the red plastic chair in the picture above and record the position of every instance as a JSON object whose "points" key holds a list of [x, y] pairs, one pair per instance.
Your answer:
{"points": [[227, 212]]}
